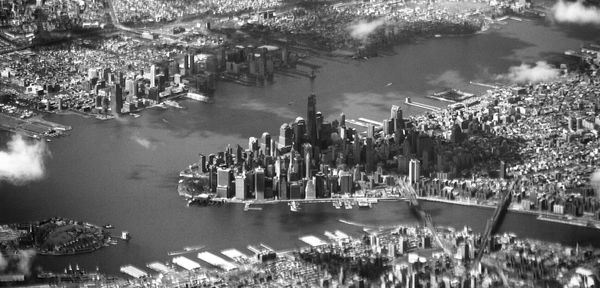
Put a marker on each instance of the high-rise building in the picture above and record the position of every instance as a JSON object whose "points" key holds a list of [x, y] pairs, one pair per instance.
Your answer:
{"points": [[311, 119], [396, 116], [299, 129], [152, 75], [224, 176], [285, 135], [310, 190], [259, 183], [346, 183], [116, 99], [414, 167], [265, 143], [240, 187]]}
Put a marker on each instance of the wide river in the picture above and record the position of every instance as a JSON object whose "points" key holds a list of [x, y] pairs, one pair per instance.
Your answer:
{"points": [[125, 172]]}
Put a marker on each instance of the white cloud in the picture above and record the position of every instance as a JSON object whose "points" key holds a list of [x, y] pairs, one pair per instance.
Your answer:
{"points": [[25, 257], [3, 262], [525, 73], [575, 12], [143, 142], [363, 29], [23, 161]]}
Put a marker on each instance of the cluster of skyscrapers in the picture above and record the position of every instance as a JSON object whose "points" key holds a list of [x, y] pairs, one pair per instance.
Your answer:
{"points": [[312, 159]]}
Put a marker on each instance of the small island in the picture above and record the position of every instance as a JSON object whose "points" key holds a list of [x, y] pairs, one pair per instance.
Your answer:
{"points": [[54, 236]]}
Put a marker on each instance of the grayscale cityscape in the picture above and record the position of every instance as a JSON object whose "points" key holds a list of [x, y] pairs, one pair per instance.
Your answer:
{"points": [[300, 143]]}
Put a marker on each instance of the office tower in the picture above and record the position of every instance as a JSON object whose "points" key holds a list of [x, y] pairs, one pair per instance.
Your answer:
{"points": [[92, 73], [224, 182], [299, 129], [202, 162], [370, 155], [240, 187], [308, 156], [116, 99], [152, 75], [320, 185], [265, 143], [311, 120], [396, 116], [342, 120], [295, 190], [191, 64], [252, 144], [357, 149], [502, 170], [310, 192], [285, 135], [259, 183], [282, 188], [414, 167], [346, 183], [370, 131]]}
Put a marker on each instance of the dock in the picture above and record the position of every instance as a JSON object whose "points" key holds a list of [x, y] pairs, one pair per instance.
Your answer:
{"points": [[312, 241], [421, 105], [372, 122], [483, 85], [159, 267], [216, 261], [133, 271], [186, 263], [235, 255]]}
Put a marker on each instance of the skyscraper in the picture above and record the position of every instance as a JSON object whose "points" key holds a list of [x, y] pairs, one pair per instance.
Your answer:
{"points": [[224, 182], [311, 119], [152, 75], [285, 135], [240, 187], [116, 99], [414, 167], [259, 183], [396, 116], [265, 143]]}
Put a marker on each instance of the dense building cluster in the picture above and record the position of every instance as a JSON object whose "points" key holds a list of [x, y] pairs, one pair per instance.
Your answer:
{"points": [[331, 26], [465, 153], [134, 12], [22, 19]]}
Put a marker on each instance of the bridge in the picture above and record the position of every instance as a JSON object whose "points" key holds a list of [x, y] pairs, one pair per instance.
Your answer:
{"points": [[448, 248]]}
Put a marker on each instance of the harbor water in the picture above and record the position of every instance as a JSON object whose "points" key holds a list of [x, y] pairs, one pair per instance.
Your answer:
{"points": [[124, 172]]}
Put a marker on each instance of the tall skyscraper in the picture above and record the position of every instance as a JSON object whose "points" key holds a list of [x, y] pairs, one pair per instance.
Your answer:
{"points": [[240, 187], [311, 119], [414, 167], [224, 182], [265, 143], [310, 192], [396, 116], [152, 75], [285, 135], [116, 99], [259, 183]]}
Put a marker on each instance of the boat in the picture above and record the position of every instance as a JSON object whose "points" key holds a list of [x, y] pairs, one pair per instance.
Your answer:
{"points": [[348, 205], [108, 226], [337, 204], [363, 203], [193, 248], [248, 208], [125, 236], [294, 206], [173, 104], [437, 35], [135, 115], [388, 84]]}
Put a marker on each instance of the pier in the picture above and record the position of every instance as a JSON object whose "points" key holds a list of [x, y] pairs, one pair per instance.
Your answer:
{"points": [[421, 105], [484, 85], [133, 271]]}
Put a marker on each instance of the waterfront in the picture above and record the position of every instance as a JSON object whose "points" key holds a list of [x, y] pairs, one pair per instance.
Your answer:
{"points": [[124, 172]]}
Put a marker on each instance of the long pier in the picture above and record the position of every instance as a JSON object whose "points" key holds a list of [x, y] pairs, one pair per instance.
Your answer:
{"points": [[421, 105], [483, 85]]}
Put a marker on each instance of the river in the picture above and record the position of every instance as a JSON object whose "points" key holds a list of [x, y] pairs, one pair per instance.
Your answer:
{"points": [[125, 172]]}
